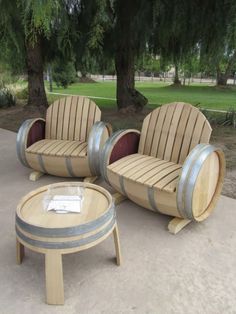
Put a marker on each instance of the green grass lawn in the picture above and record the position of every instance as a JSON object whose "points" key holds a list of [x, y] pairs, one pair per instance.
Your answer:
{"points": [[158, 93]]}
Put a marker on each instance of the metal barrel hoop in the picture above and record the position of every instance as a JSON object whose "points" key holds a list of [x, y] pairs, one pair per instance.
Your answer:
{"points": [[105, 153], [94, 148], [190, 172], [21, 140]]}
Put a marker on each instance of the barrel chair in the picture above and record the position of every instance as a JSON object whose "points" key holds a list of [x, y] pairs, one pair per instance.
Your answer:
{"points": [[67, 143], [169, 167]]}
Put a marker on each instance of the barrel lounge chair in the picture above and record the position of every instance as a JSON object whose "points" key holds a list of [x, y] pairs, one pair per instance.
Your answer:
{"points": [[169, 167], [67, 143]]}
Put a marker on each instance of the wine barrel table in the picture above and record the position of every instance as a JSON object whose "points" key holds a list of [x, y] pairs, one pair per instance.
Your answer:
{"points": [[54, 234]]}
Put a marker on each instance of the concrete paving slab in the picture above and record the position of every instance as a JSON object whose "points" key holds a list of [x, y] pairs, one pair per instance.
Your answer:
{"points": [[192, 272]]}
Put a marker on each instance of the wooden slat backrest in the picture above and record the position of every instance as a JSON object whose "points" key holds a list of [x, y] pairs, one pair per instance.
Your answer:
{"points": [[71, 118], [172, 131]]}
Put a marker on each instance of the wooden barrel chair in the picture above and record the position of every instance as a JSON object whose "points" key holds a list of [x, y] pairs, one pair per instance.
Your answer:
{"points": [[68, 143], [170, 167]]}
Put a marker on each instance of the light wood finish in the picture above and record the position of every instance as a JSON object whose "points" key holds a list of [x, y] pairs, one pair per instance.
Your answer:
{"points": [[20, 252], [117, 245], [208, 185], [177, 224], [175, 172], [138, 193], [148, 170], [113, 142], [118, 198], [54, 278], [55, 234], [62, 149], [90, 179], [71, 118], [171, 131], [35, 175]]}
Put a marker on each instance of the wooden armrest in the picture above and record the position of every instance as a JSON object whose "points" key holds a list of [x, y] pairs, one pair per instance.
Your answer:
{"points": [[98, 135], [122, 143], [200, 182], [31, 131]]}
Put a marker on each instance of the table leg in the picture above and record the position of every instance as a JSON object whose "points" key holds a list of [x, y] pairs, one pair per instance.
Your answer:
{"points": [[117, 245], [20, 252], [54, 278]]}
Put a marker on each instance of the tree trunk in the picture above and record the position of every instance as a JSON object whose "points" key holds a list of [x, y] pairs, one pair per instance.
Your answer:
{"points": [[128, 98], [176, 78], [34, 61], [221, 79]]}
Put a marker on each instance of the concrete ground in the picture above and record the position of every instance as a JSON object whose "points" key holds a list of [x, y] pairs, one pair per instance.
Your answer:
{"points": [[192, 272]]}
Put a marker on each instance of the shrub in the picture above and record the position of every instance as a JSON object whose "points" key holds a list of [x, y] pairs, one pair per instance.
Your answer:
{"points": [[63, 73], [7, 99], [22, 94]]}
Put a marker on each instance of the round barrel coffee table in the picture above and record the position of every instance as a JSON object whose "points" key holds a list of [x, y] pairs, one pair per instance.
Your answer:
{"points": [[54, 234]]}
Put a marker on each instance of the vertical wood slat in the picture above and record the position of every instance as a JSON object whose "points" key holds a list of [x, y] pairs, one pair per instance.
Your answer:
{"points": [[151, 131], [173, 132], [97, 114], [71, 118], [54, 119], [206, 133], [180, 133], [66, 119], [60, 118], [48, 123], [188, 135], [158, 131], [165, 131], [80, 106], [170, 132], [90, 119], [197, 132], [84, 119], [144, 134]]}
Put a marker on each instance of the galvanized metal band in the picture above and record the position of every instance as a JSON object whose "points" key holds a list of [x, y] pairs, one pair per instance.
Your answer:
{"points": [[68, 244], [69, 167], [41, 163], [91, 140], [21, 141], [105, 154], [183, 177], [192, 178], [67, 231], [122, 186], [94, 148], [151, 198]]}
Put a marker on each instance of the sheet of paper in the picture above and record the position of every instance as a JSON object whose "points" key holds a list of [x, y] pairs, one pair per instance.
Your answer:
{"points": [[65, 204]]}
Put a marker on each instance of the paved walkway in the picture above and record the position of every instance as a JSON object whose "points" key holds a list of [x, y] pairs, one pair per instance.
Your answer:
{"points": [[190, 273]]}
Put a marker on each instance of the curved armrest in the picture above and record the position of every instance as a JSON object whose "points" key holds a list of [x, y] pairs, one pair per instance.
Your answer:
{"points": [[200, 182], [122, 143], [98, 135], [31, 131]]}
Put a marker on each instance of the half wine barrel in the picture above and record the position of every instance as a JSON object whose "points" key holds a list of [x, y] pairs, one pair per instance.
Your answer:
{"points": [[41, 230], [192, 196]]}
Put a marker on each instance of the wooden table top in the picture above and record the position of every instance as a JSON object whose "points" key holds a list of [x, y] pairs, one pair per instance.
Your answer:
{"points": [[96, 202]]}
